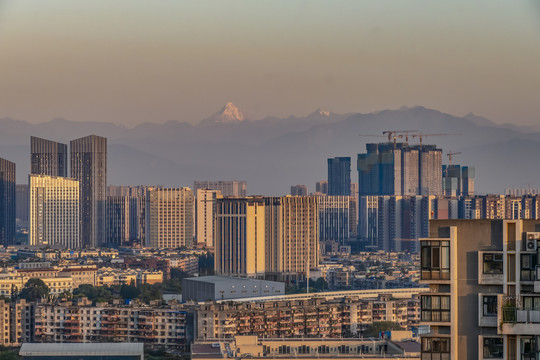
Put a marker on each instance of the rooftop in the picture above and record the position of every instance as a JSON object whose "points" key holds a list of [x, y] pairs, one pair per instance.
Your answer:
{"points": [[82, 349]]}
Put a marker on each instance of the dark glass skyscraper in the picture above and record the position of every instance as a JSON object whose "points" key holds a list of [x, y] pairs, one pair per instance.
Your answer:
{"points": [[89, 166], [339, 176], [48, 157], [7, 202]]}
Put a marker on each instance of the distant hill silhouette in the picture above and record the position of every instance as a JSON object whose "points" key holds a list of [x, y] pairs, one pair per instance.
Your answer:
{"points": [[273, 153]]}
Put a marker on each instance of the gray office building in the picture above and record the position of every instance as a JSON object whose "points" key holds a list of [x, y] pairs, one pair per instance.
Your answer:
{"points": [[224, 288], [339, 176], [7, 202], [48, 157], [89, 166]]}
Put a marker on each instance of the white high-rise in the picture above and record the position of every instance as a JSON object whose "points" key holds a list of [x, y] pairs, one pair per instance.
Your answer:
{"points": [[54, 211]]}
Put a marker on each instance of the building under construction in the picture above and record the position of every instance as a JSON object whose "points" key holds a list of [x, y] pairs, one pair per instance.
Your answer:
{"points": [[392, 168]]}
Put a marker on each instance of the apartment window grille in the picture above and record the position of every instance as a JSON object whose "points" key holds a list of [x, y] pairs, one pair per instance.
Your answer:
{"points": [[528, 265]]}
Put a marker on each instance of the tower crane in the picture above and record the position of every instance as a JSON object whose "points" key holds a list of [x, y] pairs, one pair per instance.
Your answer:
{"points": [[393, 135], [450, 154], [422, 135]]}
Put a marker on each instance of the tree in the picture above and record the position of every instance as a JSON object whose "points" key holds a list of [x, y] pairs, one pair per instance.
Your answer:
{"points": [[129, 291], [34, 289], [374, 329]]}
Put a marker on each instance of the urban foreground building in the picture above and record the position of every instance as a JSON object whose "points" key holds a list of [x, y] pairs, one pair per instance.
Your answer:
{"points": [[400, 169], [484, 289], [169, 217], [89, 166], [54, 211], [227, 188], [48, 157], [7, 202], [339, 176]]}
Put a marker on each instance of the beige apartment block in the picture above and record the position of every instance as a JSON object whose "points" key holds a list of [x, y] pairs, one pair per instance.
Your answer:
{"points": [[170, 218]]}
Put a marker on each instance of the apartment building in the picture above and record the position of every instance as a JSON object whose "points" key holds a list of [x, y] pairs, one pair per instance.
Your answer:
{"points": [[333, 317], [484, 297], [79, 321]]}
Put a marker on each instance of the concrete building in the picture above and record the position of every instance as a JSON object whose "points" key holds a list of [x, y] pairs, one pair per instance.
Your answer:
{"points": [[483, 298], [48, 157], [292, 237], [227, 188], [170, 218], [137, 209], [54, 211], [227, 288], [240, 237], [89, 166], [334, 221], [322, 187], [100, 351], [122, 220], [339, 176], [458, 180], [21, 206], [299, 190], [82, 322], [400, 169], [7, 202], [255, 347], [206, 211]]}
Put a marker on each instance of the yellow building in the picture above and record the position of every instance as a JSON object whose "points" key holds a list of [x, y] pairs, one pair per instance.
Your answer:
{"points": [[170, 218], [54, 211]]}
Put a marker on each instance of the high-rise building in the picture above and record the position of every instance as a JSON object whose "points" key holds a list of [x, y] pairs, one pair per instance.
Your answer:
{"points": [[21, 195], [292, 237], [122, 220], [299, 190], [170, 218], [339, 176], [89, 166], [322, 187], [205, 216], [483, 300], [7, 202], [334, 222], [240, 237], [54, 211], [227, 188], [137, 209], [400, 169], [48, 157]]}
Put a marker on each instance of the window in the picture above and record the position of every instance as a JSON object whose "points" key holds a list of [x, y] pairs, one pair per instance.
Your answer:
{"points": [[528, 264], [493, 263], [493, 348], [435, 348], [435, 260], [489, 305], [435, 308]]}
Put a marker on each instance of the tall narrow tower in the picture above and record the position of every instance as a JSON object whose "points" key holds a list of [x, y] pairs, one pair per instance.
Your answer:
{"points": [[89, 166], [7, 202], [48, 157]]}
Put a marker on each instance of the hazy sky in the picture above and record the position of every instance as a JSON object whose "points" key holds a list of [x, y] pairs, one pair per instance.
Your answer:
{"points": [[153, 61]]}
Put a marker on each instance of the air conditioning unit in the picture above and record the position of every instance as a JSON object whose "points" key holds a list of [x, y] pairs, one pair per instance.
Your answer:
{"points": [[531, 245]]}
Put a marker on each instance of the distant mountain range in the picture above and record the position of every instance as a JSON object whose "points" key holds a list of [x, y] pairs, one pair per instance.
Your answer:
{"points": [[272, 153]]}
